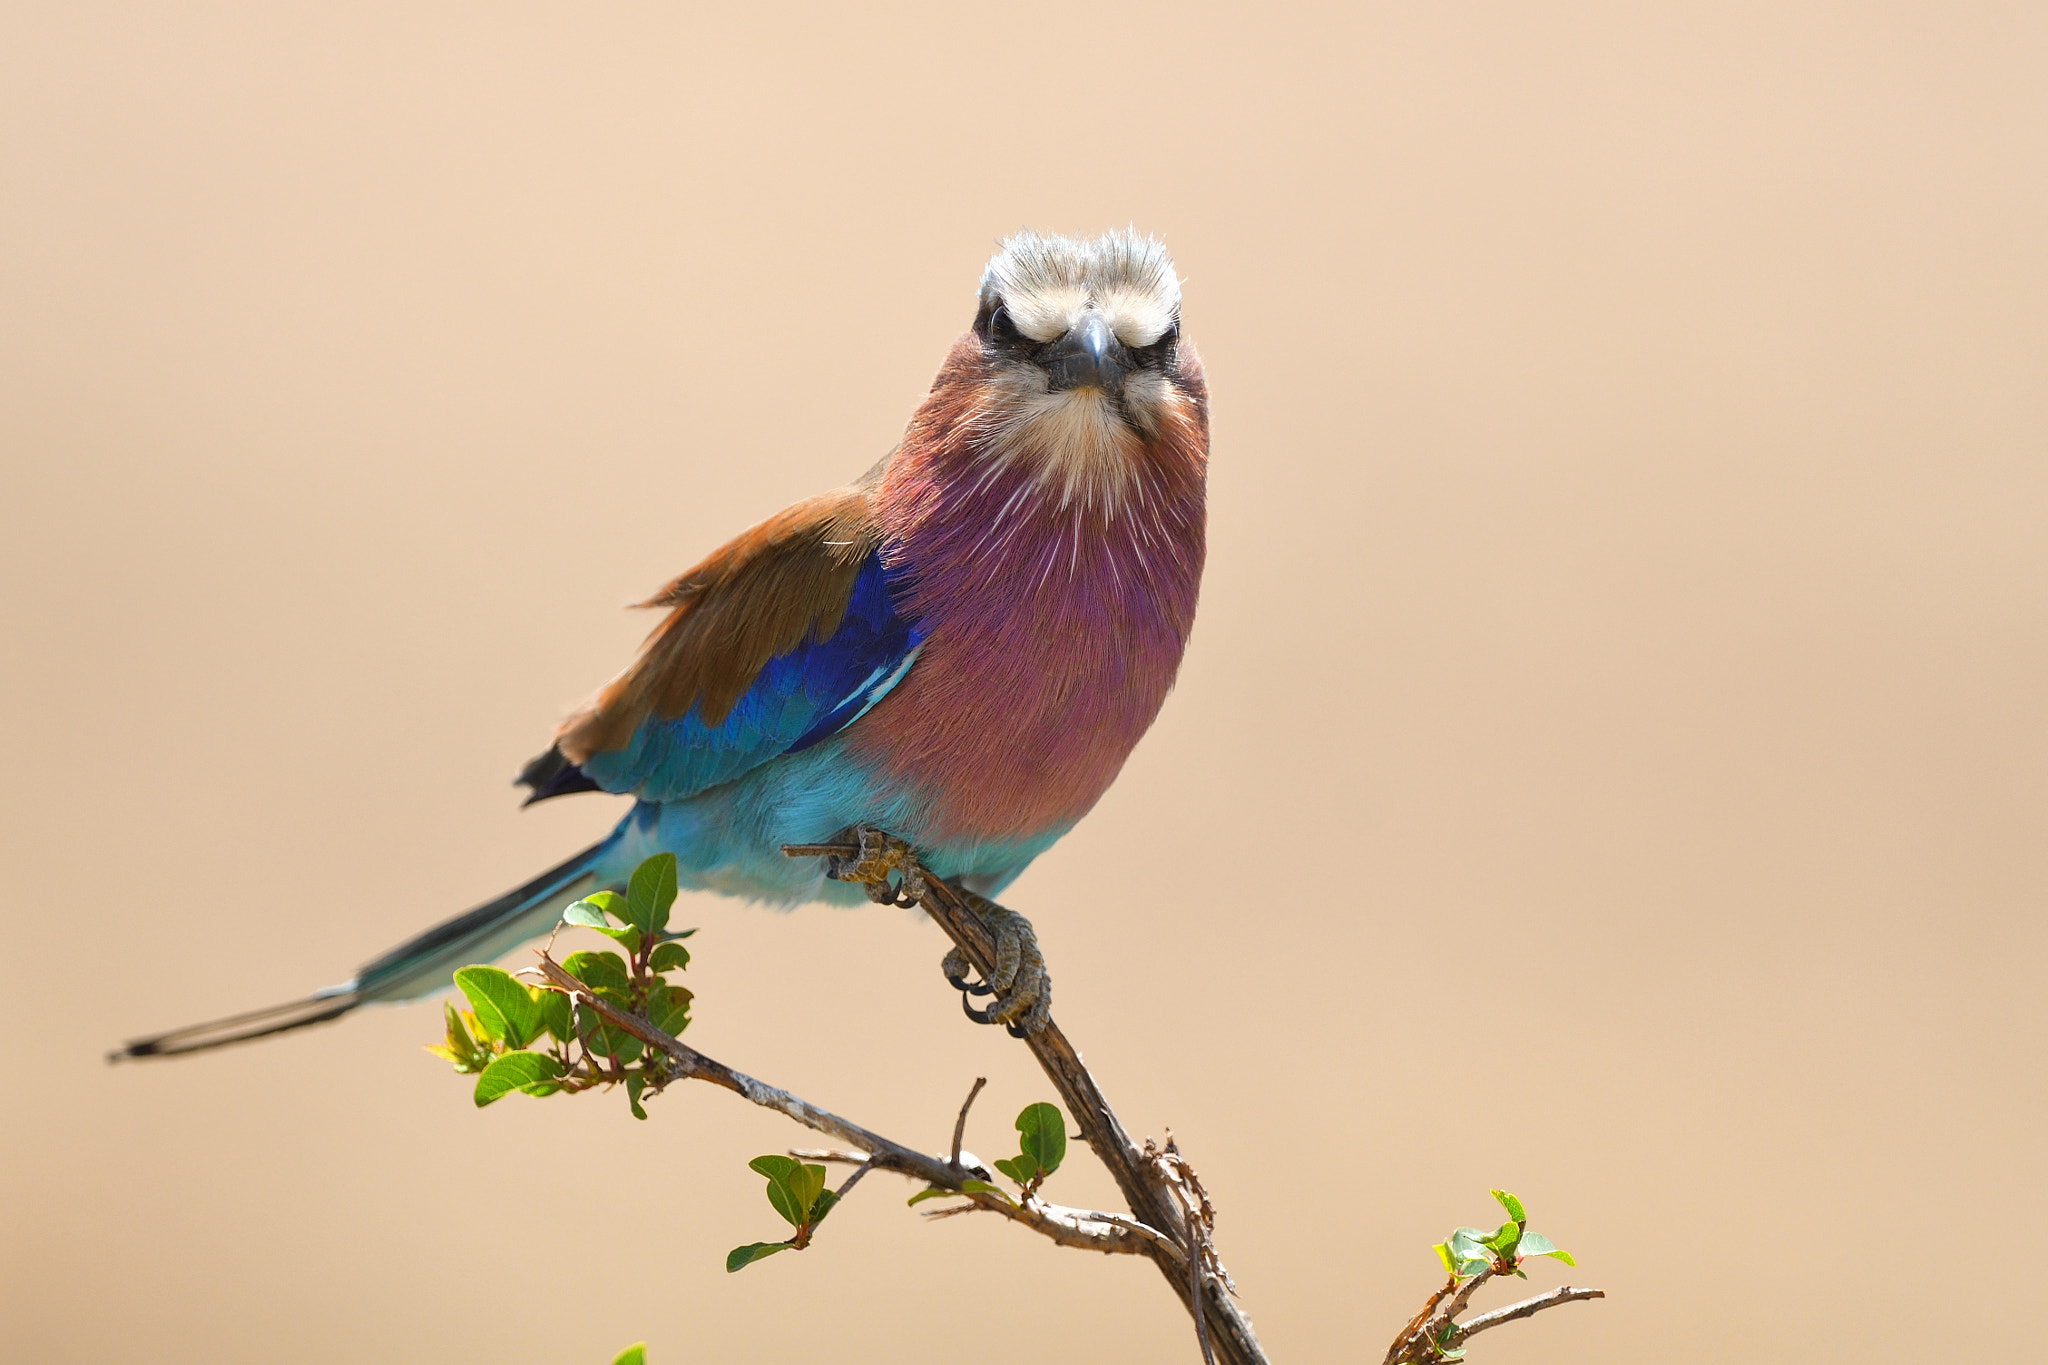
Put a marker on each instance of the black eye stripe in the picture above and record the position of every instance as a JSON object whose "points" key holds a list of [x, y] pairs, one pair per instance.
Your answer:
{"points": [[1159, 352], [995, 325]]}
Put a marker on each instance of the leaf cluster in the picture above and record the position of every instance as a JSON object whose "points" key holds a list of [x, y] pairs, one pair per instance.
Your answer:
{"points": [[1470, 1257], [796, 1190], [1042, 1136], [537, 1041], [1472, 1251]]}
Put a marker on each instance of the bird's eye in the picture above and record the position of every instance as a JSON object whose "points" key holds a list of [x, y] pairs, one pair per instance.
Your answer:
{"points": [[1003, 327], [1157, 354]]}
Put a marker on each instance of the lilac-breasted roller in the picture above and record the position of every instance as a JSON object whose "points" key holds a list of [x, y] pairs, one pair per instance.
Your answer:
{"points": [[960, 647]]}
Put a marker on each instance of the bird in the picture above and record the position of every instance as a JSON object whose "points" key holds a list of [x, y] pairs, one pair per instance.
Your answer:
{"points": [[957, 651]]}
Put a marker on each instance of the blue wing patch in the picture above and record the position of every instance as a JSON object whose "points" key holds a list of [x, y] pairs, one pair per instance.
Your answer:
{"points": [[798, 699]]}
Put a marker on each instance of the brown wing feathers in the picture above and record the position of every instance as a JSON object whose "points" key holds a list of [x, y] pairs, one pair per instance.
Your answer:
{"points": [[760, 595]]}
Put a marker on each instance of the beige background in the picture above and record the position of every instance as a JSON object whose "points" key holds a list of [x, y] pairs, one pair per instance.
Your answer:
{"points": [[1610, 763]]}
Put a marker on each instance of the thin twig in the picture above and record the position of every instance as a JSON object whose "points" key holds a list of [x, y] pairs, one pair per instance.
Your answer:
{"points": [[829, 1154], [694, 1065], [1425, 1327], [1067, 1227], [1405, 1339], [960, 1124], [1465, 1293], [1437, 1328], [1161, 1243], [854, 1179], [1083, 1228], [1525, 1309], [949, 1211]]}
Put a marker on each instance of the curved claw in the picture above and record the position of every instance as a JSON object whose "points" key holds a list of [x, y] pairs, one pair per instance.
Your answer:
{"points": [[989, 1016], [955, 968], [1019, 980], [977, 989]]}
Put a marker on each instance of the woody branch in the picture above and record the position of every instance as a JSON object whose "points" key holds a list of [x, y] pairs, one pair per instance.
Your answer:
{"points": [[1153, 1189], [1080, 1228]]}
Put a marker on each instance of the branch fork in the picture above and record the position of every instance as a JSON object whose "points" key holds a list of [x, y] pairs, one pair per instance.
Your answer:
{"points": [[1435, 1334], [1171, 1217], [1151, 1191]]}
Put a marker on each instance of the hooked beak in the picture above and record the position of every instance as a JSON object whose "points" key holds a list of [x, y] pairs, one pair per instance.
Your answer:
{"points": [[1089, 357]]}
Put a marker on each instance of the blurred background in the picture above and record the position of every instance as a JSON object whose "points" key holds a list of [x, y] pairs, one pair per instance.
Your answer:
{"points": [[1610, 763]]}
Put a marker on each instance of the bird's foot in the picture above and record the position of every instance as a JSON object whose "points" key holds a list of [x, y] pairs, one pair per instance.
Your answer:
{"points": [[881, 853], [1020, 983]]}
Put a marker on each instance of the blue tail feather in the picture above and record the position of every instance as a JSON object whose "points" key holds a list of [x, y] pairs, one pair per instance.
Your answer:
{"points": [[419, 966], [423, 964]]}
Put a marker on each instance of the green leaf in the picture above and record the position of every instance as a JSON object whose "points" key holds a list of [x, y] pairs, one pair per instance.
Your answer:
{"points": [[779, 1197], [1468, 1248], [983, 1187], [669, 957], [599, 971], [1536, 1244], [1502, 1243], [533, 1072], [1443, 1253], [1045, 1135], [1512, 1205], [507, 1011], [806, 1183], [635, 1083], [823, 1206], [651, 892], [602, 1038], [592, 911], [933, 1193], [785, 1181], [668, 1008], [627, 938], [459, 1040], [462, 1049], [555, 1016], [739, 1258], [1019, 1168], [636, 1354], [597, 912]]}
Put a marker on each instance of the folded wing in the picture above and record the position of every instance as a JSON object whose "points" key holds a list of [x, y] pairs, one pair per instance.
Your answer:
{"points": [[775, 642]]}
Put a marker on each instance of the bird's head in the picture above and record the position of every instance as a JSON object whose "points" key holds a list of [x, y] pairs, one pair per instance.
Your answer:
{"points": [[1082, 359]]}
